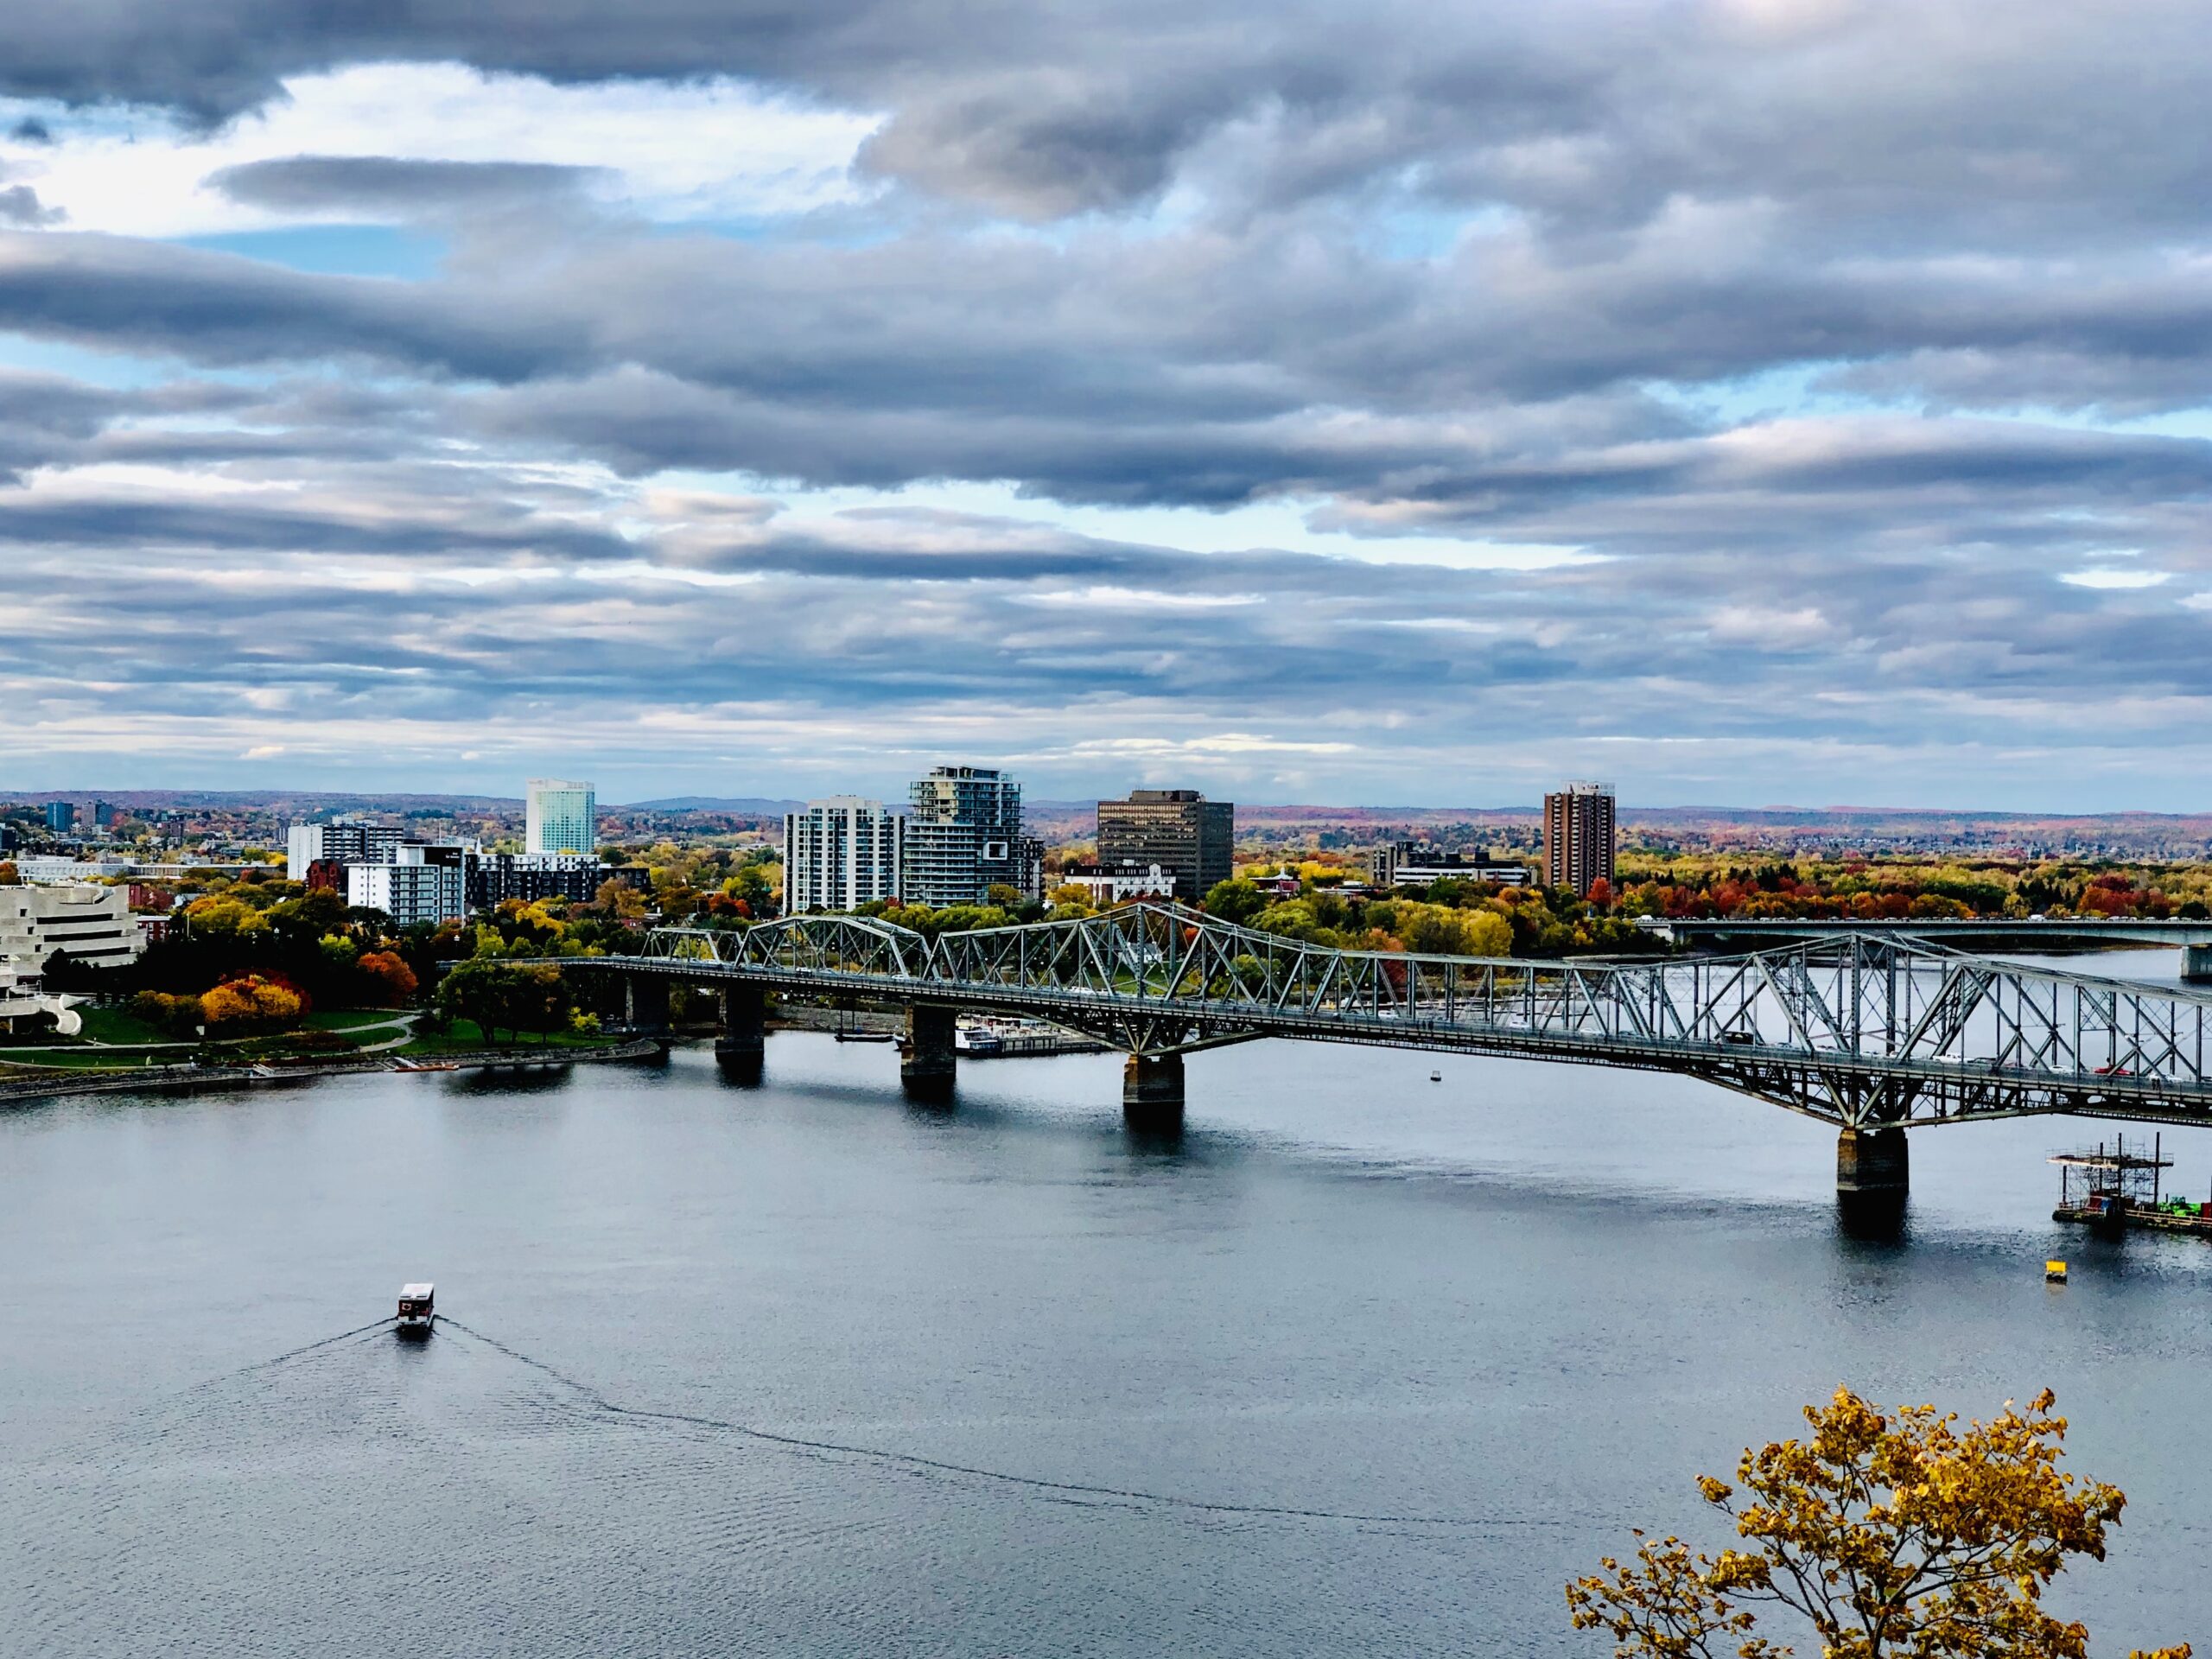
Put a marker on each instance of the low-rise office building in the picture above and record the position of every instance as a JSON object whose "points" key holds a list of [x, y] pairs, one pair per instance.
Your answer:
{"points": [[494, 878], [1112, 884], [1416, 864]]}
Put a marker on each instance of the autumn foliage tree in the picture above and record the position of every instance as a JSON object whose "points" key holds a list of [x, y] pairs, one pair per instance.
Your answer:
{"points": [[388, 981], [250, 1004], [1883, 1535]]}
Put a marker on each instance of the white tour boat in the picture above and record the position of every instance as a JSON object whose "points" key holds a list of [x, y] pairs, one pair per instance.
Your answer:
{"points": [[415, 1309]]}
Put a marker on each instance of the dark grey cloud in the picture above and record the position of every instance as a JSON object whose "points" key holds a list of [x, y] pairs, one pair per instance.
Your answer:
{"points": [[1730, 297], [31, 131], [223, 309], [19, 204], [382, 186], [2058, 121]]}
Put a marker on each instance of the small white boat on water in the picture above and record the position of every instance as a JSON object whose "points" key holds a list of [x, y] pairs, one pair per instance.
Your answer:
{"points": [[415, 1309]]}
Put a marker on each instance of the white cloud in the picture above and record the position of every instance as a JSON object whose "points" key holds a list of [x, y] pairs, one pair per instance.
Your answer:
{"points": [[2107, 578], [718, 149]]}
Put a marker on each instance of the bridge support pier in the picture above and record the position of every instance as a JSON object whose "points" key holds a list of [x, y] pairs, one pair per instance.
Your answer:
{"points": [[1151, 1092], [740, 1046], [1872, 1164], [927, 1060], [644, 1003], [2196, 964]]}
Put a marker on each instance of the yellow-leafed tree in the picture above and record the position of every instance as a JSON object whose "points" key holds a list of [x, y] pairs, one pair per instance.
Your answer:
{"points": [[1882, 1535], [250, 1004]]}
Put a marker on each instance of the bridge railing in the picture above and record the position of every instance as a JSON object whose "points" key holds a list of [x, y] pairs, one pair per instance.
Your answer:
{"points": [[1852, 1000]]}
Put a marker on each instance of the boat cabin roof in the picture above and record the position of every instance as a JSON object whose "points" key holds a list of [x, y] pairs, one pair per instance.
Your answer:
{"points": [[416, 1293]]}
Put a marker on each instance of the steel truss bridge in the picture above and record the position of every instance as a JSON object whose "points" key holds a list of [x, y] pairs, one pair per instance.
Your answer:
{"points": [[1866, 1034]]}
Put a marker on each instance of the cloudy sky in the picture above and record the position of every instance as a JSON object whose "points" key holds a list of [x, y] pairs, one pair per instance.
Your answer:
{"points": [[1749, 401]]}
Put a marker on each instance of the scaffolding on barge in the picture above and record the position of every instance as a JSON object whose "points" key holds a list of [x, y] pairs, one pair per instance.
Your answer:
{"points": [[2116, 1189]]}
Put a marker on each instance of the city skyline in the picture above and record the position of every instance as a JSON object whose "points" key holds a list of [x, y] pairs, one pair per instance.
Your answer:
{"points": [[1752, 401]]}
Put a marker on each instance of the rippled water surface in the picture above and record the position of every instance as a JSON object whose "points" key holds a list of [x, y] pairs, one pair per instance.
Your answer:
{"points": [[1366, 1365]]}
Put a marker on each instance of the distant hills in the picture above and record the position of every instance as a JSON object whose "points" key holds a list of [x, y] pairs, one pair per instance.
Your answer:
{"points": [[1874, 828]]}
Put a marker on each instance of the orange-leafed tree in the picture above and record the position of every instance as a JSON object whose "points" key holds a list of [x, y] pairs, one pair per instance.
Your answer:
{"points": [[390, 981], [1882, 1535], [251, 1004]]}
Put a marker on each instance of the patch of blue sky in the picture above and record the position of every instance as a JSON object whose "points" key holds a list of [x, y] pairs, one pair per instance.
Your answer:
{"points": [[116, 371], [388, 250], [1415, 235], [1797, 390], [839, 226], [59, 120], [1785, 391]]}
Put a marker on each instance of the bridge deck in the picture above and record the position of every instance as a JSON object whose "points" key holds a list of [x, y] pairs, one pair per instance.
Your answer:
{"points": [[1854, 1031]]}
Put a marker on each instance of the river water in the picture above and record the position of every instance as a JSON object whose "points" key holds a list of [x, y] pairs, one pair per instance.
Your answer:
{"points": [[1364, 1364]]}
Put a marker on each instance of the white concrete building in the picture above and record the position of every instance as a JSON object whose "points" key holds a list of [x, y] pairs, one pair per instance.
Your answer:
{"points": [[1109, 884], [411, 889], [88, 924], [560, 816], [341, 842], [840, 854], [67, 870], [35, 868], [23, 999]]}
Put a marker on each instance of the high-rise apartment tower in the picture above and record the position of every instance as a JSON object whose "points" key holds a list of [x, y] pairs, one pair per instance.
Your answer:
{"points": [[561, 817], [964, 837], [840, 854], [1579, 837], [1191, 838]]}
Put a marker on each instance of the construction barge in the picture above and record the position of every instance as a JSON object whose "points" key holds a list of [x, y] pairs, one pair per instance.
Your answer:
{"points": [[2114, 1191]]}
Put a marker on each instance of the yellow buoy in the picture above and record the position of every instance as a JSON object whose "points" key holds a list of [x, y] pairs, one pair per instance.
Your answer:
{"points": [[2055, 1271]]}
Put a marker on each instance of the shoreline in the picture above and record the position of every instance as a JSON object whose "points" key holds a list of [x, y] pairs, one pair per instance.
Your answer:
{"points": [[190, 1079]]}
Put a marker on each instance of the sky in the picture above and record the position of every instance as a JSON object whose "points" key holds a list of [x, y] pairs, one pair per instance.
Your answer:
{"points": [[1743, 401]]}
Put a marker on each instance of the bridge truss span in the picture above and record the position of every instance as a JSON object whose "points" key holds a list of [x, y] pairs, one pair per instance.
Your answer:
{"points": [[1859, 1031]]}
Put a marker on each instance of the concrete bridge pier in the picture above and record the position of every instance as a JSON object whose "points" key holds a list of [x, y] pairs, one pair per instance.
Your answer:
{"points": [[1151, 1092], [2196, 964], [1872, 1164], [741, 1045], [645, 1003], [927, 1060]]}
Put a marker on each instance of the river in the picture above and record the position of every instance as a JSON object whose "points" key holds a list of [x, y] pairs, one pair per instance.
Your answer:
{"points": [[1364, 1364]]}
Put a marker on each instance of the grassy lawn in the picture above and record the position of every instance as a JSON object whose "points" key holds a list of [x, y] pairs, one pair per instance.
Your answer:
{"points": [[118, 1026], [353, 1018], [464, 1036]]}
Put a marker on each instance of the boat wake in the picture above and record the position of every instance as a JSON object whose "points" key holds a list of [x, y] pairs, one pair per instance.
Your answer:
{"points": [[1063, 1490]]}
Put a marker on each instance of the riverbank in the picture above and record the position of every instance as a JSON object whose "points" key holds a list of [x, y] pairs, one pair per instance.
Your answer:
{"points": [[191, 1078]]}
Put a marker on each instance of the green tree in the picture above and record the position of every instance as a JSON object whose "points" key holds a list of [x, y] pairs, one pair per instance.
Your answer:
{"points": [[1889, 1534], [1234, 900], [511, 996]]}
